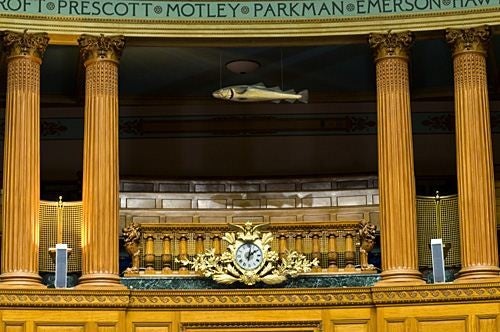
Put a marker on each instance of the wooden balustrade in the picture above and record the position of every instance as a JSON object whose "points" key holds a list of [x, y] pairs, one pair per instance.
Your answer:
{"points": [[332, 252], [166, 256], [149, 257], [183, 251], [335, 245]]}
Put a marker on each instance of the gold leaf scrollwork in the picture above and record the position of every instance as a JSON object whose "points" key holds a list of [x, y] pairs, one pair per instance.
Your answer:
{"points": [[273, 270], [101, 47], [469, 40], [25, 44], [391, 44]]}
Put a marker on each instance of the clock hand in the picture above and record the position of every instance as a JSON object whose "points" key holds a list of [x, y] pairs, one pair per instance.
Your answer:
{"points": [[249, 253]]}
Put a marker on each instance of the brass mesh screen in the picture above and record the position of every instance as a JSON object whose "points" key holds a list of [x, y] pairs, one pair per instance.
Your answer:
{"points": [[438, 218], [72, 215]]}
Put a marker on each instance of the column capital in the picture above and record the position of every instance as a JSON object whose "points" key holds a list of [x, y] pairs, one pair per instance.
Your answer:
{"points": [[468, 40], [391, 44], [25, 44], [95, 48]]}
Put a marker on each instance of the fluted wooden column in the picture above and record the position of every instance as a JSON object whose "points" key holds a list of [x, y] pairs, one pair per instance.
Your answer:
{"points": [[21, 178], [398, 227], [476, 187], [100, 162]]}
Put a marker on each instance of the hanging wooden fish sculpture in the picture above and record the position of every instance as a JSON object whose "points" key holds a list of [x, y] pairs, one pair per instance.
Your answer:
{"points": [[259, 92]]}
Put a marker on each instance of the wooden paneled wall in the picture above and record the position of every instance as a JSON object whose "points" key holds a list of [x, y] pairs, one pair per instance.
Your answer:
{"points": [[440, 318], [63, 320], [369, 213], [477, 317]]}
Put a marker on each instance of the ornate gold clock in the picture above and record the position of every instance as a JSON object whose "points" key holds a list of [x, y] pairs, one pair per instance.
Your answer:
{"points": [[249, 256], [249, 259]]}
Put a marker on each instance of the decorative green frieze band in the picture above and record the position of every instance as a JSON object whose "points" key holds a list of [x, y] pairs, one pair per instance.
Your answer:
{"points": [[256, 126], [234, 10]]}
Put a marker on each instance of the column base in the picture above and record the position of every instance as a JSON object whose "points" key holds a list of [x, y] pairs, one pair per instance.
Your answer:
{"points": [[400, 278], [99, 280], [21, 280], [478, 274]]}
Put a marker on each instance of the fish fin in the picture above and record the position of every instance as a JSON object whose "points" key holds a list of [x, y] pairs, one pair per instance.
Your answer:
{"points": [[290, 100], [304, 96], [276, 101], [291, 91], [260, 85], [240, 89], [275, 88]]}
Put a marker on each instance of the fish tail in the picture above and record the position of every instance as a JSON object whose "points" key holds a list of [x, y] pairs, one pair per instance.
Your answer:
{"points": [[290, 92], [304, 96]]}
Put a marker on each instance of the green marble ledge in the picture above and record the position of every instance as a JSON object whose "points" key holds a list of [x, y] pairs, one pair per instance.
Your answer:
{"points": [[195, 282]]}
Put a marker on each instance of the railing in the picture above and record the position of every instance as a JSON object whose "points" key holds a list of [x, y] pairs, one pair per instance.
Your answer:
{"points": [[340, 247]]}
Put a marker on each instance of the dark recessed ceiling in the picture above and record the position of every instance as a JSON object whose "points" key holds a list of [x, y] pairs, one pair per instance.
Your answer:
{"points": [[180, 81], [331, 73]]}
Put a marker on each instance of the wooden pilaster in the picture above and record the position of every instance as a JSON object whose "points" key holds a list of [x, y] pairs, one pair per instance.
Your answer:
{"points": [[21, 178], [100, 170], [476, 186], [395, 160]]}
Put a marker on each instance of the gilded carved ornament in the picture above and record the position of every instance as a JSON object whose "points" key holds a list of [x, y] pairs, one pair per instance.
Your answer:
{"points": [[391, 44], [25, 44], [93, 48], [469, 40], [249, 259], [132, 234], [366, 235]]}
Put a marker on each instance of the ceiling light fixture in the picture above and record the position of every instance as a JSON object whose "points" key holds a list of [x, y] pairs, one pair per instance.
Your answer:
{"points": [[242, 66]]}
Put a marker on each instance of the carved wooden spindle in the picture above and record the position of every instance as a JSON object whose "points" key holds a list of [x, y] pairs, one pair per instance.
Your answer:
{"points": [[282, 244], [316, 250], [200, 246], [166, 255], [332, 252], [299, 242], [349, 252], [149, 256], [183, 252], [216, 243]]}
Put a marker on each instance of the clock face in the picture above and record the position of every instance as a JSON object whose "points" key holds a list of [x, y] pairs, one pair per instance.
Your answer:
{"points": [[249, 256]]}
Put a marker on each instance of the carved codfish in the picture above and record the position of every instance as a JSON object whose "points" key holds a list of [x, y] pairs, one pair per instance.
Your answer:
{"points": [[259, 92]]}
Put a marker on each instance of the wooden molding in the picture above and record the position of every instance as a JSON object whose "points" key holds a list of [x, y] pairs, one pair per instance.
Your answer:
{"points": [[64, 298], [251, 298], [436, 293]]}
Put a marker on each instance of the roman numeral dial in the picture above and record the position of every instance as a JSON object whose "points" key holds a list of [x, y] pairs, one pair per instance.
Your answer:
{"points": [[249, 256]]}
